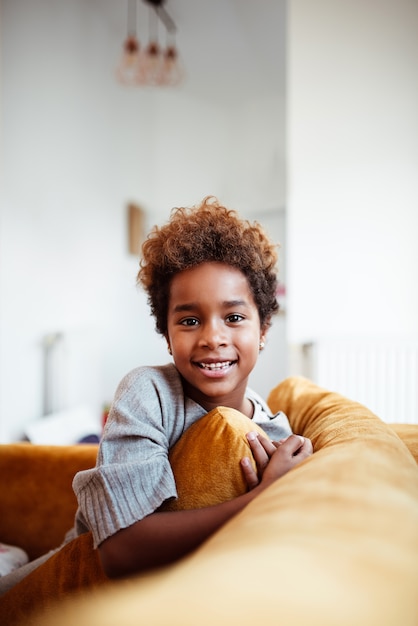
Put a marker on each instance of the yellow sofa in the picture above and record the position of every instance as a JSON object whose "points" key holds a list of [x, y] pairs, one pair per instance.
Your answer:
{"points": [[334, 542]]}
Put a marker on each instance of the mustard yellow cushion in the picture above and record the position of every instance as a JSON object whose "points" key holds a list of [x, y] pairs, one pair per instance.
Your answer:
{"points": [[334, 541], [206, 459]]}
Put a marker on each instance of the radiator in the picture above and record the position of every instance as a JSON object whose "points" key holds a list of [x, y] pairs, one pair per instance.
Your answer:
{"points": [[382, 375]]}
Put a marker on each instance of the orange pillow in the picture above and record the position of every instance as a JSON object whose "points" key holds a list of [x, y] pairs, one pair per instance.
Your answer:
{"points": [[206, 459]]}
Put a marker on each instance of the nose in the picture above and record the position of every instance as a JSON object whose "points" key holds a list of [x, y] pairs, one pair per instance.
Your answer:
{"points": [[213, 334]]}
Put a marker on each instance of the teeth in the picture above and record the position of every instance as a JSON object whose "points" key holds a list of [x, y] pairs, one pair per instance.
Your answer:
{"points": [[215, 366]]}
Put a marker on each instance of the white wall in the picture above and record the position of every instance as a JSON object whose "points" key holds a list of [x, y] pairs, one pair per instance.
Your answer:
{"points": [[272, 364], [352, 168], [75, 149], [63, 264]]}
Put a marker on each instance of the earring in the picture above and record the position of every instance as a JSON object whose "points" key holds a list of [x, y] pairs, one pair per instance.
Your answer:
{"points": [[261, 346], [169, 349]]}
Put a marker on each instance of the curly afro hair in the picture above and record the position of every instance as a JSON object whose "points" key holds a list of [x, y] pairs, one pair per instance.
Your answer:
{"points": [[203, 233]]}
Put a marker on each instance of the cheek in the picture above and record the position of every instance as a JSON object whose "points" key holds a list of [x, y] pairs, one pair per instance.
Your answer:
{"points": [[180, 342], [252, 344]]}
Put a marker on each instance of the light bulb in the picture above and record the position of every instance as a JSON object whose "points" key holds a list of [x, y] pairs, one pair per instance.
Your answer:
{"points": [[128, 67], [171, 70], [150, 65]]}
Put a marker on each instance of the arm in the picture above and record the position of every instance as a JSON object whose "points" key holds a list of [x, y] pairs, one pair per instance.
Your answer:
{"points": [[163, 537]]}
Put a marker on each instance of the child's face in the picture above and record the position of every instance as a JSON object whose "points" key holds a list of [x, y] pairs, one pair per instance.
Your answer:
{"points": [[214, 333]]}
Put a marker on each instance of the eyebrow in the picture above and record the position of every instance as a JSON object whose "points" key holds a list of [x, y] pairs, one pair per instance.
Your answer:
{"points": [[192, 306]]}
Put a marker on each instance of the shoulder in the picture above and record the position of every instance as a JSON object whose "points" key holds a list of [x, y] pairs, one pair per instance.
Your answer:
{"points": [[149, 403], [158, 379], [150, 394]]}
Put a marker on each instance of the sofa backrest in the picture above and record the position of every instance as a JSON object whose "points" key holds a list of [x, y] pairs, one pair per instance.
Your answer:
{"points": [[38, 502]]}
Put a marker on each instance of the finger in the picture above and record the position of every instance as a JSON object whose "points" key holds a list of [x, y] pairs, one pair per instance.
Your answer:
{"points": [[250, 475], [262, 449], [293, 444], [307, 447], [265, 443], [260, 456], [280, 441]]}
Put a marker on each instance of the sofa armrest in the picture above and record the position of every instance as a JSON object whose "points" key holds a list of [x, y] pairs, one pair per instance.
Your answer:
{"points": [[38, 503], [324, 416], [409, 435]]}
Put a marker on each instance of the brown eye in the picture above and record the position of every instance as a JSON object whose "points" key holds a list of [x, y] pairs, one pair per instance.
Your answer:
{"points": [[189, 321], [234, 318]]}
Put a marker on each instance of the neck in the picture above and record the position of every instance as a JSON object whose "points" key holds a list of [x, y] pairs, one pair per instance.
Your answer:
{"points": [[237, 401]]}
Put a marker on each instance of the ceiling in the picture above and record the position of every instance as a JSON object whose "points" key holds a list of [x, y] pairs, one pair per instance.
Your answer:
{"points": [[229, 48]]}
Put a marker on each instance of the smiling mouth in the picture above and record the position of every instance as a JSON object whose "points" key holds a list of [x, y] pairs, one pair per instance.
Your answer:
{"points": [[216, 367]]}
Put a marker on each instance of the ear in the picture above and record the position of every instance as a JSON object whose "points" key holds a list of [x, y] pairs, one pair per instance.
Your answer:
{"points": [[263, 335]]}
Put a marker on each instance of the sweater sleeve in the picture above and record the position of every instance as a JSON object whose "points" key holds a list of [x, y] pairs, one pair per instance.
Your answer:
{"points": [[133, 476]]}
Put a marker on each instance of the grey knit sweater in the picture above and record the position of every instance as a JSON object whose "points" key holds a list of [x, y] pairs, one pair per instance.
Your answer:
{"points": [[133, 476]]}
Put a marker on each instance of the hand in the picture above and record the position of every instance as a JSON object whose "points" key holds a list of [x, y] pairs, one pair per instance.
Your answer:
{"points": [[273, 458]]}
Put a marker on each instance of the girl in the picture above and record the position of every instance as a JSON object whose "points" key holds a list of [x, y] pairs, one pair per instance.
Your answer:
{"points": [[211, 284]]}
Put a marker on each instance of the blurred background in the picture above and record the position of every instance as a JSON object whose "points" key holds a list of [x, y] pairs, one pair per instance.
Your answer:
{"points": [[301, 114]]}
